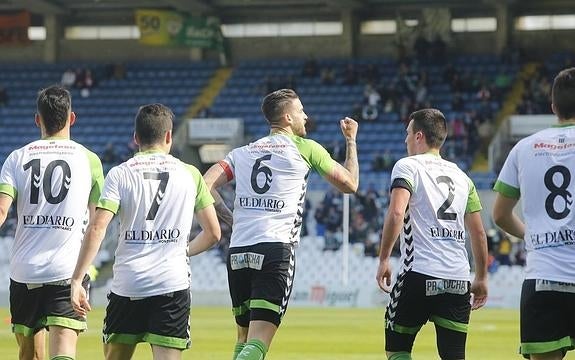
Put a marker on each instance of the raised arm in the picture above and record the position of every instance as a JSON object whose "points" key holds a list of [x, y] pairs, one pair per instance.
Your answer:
{"points": [[478, 238], [346, 178], [215, 177]]}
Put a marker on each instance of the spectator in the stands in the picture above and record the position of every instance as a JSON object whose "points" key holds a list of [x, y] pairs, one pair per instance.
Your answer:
{"points": [[438, 50], [110, 155], [350, 75], [68, 78], [457, 102], [483, 93], [421, 48], [327, 76], [357, 112], [383, 161], [337, 151], [290, 83], [310, 68], [204, 112], [371, 74], [504, 250], [333, 235]]}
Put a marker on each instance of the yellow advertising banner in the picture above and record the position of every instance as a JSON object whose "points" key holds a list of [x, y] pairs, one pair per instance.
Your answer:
{"points": [[169, 28], [159, 27]]}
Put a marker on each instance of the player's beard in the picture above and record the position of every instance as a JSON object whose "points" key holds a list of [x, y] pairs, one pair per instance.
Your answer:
{"points": [[303, 129], [299, 129]]}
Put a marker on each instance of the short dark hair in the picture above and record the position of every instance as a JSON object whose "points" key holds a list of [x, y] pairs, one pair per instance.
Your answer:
{"points": [[275, 103], [433, 125], [563, 94], [54, 104], [152, 123]]}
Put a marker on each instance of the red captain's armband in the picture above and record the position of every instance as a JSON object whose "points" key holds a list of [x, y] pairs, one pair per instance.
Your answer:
{"points": [[227, 169]]}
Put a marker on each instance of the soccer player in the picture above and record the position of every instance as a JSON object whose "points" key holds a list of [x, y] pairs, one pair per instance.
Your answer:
{"points": [[271, 178], [56, 183], [541, 166], [155, 196], [432, 202]]}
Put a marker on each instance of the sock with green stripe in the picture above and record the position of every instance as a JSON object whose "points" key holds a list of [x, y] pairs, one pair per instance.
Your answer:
{"points": [[400, 356], [62, 357], [254, 349], [238, 349]]}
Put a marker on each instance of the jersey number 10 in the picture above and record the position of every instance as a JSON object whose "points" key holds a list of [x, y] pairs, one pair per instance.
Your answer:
{"points": [[36, 179]]}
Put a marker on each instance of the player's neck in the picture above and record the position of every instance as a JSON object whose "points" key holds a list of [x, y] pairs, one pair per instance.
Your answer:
{"points": [[62, 134], [281, 130], [154, 149], [429, 151], [567, 122]]}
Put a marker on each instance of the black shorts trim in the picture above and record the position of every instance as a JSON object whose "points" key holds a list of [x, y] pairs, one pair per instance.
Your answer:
{"points": [[547, 320], [260, 279], [37, 306], [413, 303], [159, 320]]}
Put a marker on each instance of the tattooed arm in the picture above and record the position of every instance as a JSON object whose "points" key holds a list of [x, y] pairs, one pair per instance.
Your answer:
{"points": [[346, 177]]}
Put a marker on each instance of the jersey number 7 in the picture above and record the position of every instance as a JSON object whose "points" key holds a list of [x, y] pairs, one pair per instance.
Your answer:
{"points": [[163, 177]]}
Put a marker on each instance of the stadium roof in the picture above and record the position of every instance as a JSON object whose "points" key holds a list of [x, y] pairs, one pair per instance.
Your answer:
{"points": [[259, 10]]}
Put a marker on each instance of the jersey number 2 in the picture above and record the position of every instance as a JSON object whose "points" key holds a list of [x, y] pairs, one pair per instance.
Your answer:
{"points": [[36, 180], [442, 213], [163, 177]]}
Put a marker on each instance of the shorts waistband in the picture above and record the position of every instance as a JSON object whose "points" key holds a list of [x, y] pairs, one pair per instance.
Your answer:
{"points": [[64, 282]]}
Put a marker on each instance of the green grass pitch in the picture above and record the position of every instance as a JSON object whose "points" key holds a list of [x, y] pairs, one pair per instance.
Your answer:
{"points": [[310, 333]]}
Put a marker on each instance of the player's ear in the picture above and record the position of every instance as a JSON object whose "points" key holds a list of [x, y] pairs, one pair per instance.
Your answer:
{"points": [[168, 138], [72, 118], [553, 108], [37, 120], [136, 139]]}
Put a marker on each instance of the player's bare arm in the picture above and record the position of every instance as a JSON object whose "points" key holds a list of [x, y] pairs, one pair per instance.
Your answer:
{"points": [[505, 218], [478, 238], [210, 233], [215, 177], [5, 203], [398, 201], [90, 246], [346, 178]]}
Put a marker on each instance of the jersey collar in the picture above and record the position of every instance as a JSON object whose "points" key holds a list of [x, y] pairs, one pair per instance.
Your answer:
{"points": [[150, 151], [562, 125], [433, 152], [55, 138]]}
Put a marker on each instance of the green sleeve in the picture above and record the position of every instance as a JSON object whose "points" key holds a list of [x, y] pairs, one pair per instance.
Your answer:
{"points": [[8, 190], [109, 205], [97, 177], [473, 202], [315, 155], [506, 190], [203, 196]]}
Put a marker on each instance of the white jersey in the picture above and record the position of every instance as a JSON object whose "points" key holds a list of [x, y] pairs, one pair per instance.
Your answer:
{"points": [[541, 167], [433, 236], [52, 181], [155, 196], [271, 180]]}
